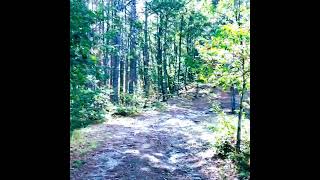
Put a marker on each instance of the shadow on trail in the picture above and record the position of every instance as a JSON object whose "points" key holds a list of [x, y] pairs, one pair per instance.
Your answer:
{"points": [[145, 155], [172, 144]]}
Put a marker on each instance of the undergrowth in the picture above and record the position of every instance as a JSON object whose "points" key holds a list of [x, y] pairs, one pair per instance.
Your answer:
{"points": [[225, 135], [160, 106], [131, 105], [81, 143], [78, 163]]}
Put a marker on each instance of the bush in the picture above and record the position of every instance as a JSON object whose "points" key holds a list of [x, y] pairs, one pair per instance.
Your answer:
{"points": [[225, 133], [126, 110], [159, 106], [132, 105], [134, 100], [78, 163], [88, 106], [242, 160], [216, 107]]}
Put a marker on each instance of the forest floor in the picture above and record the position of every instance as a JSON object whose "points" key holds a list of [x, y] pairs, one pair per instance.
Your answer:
{"points": [[173, 143]]}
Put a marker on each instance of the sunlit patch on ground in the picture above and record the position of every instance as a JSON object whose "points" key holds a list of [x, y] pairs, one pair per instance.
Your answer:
{"points": [[150, 158], [132, 151]]}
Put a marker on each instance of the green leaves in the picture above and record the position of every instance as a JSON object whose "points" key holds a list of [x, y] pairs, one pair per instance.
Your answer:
{"points": [[93, 58], [225, 53], [85, 107]]}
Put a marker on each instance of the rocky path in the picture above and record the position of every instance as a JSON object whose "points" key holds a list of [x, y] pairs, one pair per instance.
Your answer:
{"points": [[172, 144]]}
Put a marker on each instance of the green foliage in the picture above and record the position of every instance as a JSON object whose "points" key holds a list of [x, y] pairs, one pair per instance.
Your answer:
{"points": [[132, 105], [227, 52], [225, 135], [126, 110], [88, 99], [242, 160], [78, 163], [216, 107], [159, 106], [81, 143], [133, 100], [76, 137], [166, 6], [88, 106]]}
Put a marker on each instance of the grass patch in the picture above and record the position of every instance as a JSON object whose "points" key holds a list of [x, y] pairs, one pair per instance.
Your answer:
{"points": [[81, 144], [78, 163], [160, 106], [126, 111], [77, 137]]}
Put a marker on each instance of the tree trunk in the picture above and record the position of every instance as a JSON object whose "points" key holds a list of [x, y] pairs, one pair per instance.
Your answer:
{"points": [[115, 54], [188, 54], [121, 69], [103, 50], [133, 56], [159, 56], [127, 45], [122, 57], [233, 99], [127, 72], [121, 75], [179, 60], [237, 7], [239, 121], [241, 107], [185, 64], [175, 67], [197, 90], [164, 63], [111, 65], [105, 57], [146, 53]]}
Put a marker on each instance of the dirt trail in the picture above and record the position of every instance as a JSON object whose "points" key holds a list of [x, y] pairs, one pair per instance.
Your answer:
{"points": [[173, 144]]}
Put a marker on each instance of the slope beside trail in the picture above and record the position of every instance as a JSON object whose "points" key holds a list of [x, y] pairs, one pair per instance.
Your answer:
{"points": [[169, 144]]}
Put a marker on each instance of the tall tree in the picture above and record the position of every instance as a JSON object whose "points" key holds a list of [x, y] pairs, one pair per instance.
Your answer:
{"points": [[133, 42], [122, 52], [115, 53], [180, 49], [159, 55], [127, 62], [164, 61], [146, 51]]}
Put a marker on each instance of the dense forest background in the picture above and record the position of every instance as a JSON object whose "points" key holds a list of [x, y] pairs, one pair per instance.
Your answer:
{"points": [[124, 57]]}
